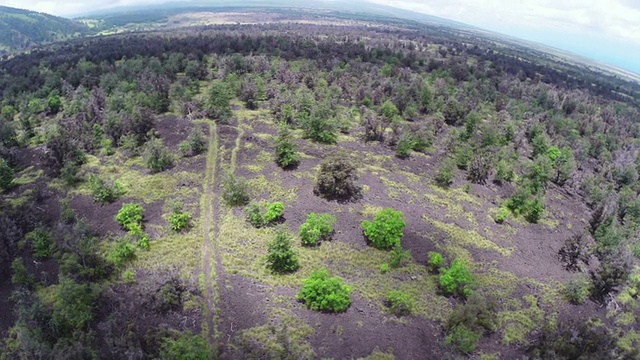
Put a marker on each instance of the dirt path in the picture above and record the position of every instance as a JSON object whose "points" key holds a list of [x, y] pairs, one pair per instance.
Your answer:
{"points": [[209, 204]]}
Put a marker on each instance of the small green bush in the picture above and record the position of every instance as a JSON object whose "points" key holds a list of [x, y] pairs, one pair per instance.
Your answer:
{"points": [[384, 268], [67, 215], [446, 172], [130, 217], [436, 261], [20, 274], [404, 146], [235, 191], [463, 338], [185, 347], [6, 175], [504, 171], [502, 215], [197, 141], [399, 303], [122, 252], [104, 191], [385, 231], [399, 257], [317, 228], [254, 215], [41, 242], [157, 157], [274, 212], [180, 220], [456, 279], [321, 292], [577, 290], [281, 258], [286, 155]]}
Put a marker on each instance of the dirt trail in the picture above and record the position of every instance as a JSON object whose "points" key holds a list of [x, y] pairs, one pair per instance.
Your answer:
{"points": [[209, 203]]}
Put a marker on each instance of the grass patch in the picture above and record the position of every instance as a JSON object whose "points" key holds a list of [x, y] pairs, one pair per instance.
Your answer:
{"points": [[273, 188], [175, 250], [517, 324], [467, 238], [27, 176]]}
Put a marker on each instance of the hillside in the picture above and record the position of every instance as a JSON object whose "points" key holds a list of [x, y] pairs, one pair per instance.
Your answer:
{"points": [[21, 29], [315, 186]]}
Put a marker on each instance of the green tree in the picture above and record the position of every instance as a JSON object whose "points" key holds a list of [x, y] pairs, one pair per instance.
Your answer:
{"points": [[281, 258], [6, 175], [157, 157], [336, 177], [54, 103], [218, 101], [286, 155]]}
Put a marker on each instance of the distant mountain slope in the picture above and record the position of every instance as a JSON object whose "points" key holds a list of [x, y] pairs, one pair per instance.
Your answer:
{"points": [[20, 29]]}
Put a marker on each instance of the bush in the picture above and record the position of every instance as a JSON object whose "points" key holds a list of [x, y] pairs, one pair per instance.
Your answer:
{"points": [[321, 292], [319, 126], [41, 242], [103, 190], [180, 220], [463, 338], [20, 274], [67, 215], [384, 268], [272, 215], [130, 217], [385, 231], [185, 347], [156, 156], [446, 172], [6, 175], [575, 252], [197, 141], [122, 252], [286, 156], [577, 290], [274, 212], [502, 215], [399, 303], [317, 228], [235, 191], [69, 173], [504, 171], [336, 177], [436, 261], [456, 279], [399, 257], [404, 146], [281, 258]]}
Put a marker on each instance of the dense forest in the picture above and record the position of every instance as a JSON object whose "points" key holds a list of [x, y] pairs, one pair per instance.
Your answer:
{"points": [[222, 191]]}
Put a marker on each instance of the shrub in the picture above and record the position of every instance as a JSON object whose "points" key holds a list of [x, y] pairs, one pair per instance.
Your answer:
{"points": [[384, 268], [399, 257], [577, 290], [456, 279], [399, 303], [463, 338], [436, 261], [180, 220], [574, 252], [122, 252], [319, 126], [274, 212], [317, 228], [504, 171], [502, 215], [69, 173], [20, 274], [6, 175], [404, 146], [197, 141], [67, 215], [286, 155], [254, 215], [281, 258], [185, 347], [321, 292], [385, 231], [336, 177], [130, 217], [235, 191], [156, 156], [103, 190], [41, 242], [446, 172]]}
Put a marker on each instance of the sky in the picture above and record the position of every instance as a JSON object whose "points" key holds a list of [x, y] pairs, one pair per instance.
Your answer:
{"points": [[605, 30]]}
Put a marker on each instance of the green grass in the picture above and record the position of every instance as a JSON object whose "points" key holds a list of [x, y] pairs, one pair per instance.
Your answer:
{"points": [[174, 250], [516, 325], [466, 238], [244, 247], [272, 188]]}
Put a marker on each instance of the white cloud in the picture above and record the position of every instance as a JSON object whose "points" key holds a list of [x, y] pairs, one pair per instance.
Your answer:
{"points": [[614, 18]]}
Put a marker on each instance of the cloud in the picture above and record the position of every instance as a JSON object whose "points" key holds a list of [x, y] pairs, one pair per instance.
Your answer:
{"points": [[613, 18], [74, 7]]}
